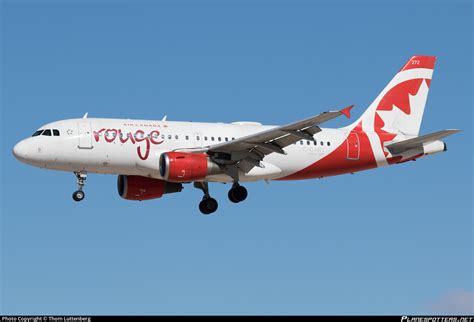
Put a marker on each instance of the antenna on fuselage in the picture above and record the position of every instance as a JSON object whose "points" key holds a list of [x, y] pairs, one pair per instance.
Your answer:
{"points": [[85, 115], [164, 118]]}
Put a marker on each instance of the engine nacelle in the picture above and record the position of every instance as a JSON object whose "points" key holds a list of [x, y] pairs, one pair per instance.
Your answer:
{"points": [[186, 167], [143, 188]]}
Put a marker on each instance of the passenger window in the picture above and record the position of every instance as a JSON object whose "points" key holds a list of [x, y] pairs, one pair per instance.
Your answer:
{"points": [[219, 139], [301, 142], [176, 137], [162, 136], [226, 139], [205, 138], [38, 133], [212, 138], [47, 132], [315, 143], [169, 137], [187, 137], [309, 142], [56, 132], [329, 143], [197, 138], [322, 143], [233, 139]]}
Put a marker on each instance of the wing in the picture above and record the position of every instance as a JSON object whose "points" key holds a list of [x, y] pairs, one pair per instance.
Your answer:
{"points": [[247, 152], [400, 147]]}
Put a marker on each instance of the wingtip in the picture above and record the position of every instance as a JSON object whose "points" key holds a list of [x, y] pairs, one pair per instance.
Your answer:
{"points": [[347, 111]]}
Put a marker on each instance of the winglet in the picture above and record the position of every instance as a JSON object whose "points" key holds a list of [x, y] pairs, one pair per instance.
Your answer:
{"points": [[164, 118], [347, 111], [85, 115]]}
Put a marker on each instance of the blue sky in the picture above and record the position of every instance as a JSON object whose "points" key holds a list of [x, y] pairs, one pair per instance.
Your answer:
{"points": [[397, 240]]}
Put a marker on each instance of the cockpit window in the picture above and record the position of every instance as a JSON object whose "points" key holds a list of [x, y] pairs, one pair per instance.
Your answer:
{"points": [[49, 132]]}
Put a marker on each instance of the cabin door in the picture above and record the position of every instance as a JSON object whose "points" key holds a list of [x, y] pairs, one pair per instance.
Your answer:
{"points": [[353, 146], [85, 135]]}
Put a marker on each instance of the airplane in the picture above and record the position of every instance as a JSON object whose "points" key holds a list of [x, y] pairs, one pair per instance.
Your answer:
{"points": [[156, 157]]}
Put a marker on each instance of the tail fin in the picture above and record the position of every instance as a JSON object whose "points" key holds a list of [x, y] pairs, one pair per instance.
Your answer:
{"points": [[399, 108]]}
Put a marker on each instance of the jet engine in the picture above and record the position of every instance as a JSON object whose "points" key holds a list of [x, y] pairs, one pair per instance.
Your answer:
{"points": [[143, 188], [186, 167]]}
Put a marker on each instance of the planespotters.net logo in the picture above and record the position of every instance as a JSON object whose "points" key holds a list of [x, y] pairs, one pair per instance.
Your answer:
{"points": [[437, 319]]}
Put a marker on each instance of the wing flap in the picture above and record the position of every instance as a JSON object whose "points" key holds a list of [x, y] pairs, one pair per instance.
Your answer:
{"points": [[281, 136], [248, 152]]}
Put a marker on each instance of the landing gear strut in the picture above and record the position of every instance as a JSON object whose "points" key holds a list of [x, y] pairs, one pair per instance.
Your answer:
{"points": [[208, 205], [81, 181], [237, 193]]}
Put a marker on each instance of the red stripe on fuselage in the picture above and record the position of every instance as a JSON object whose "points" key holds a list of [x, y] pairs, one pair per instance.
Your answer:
{"points": [[336, 162]]}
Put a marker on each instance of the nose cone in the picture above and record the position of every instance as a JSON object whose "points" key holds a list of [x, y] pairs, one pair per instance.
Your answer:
{"points": [[20, 151]]}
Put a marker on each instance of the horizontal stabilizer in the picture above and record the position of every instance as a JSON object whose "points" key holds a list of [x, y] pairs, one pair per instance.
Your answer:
{"points": [[399, 147]]}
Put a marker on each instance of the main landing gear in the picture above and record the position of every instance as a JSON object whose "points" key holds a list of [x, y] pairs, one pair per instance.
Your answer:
{"points": [[209, 205], [237, 193], [81, 181]]}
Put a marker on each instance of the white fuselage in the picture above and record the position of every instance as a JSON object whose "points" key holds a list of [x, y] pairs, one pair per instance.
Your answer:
{"points": [[133, 147], [153, 158]]}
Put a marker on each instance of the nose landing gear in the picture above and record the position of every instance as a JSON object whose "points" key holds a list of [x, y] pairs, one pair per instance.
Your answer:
{"points": [[78, 195], [81, 181]]}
